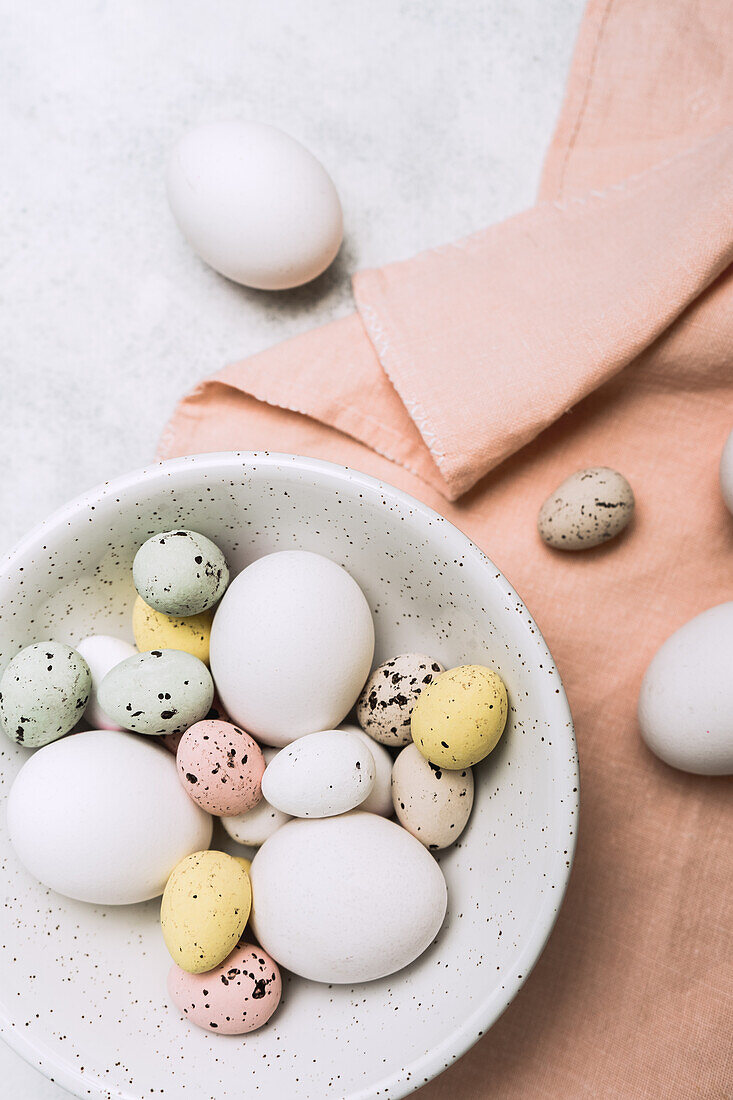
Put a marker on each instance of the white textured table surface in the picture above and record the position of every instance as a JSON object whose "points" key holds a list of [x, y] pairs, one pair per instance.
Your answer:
{"points": [[432, 117]]}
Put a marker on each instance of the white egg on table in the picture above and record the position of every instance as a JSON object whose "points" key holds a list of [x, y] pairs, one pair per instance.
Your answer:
{"points": [[379, 799], [320, 775], [346, 899], [102, 817], [254, 827], [255, 204], [102, 653], [291, 645], [686, 698]]}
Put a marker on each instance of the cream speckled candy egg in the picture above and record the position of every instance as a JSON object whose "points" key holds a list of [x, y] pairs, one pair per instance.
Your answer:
{"points": [[43, 693], [154, 630], [160, 692], [180, 572], [590, 507], [320, 775], [346, 899], [253, 828], [434, 804], [385, 705], [101, 817], [102, 652], [291, 646], [379, 799], [235, 997], [205, 908], [460, 717], [221, 768]]}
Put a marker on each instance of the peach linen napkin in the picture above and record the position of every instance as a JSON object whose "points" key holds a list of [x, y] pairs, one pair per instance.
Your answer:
{"points": [[596, 328]]}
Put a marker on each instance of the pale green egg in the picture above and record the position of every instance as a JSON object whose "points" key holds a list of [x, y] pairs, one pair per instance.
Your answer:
{"points": [[43, 692], [180, 572], [160, 692]]}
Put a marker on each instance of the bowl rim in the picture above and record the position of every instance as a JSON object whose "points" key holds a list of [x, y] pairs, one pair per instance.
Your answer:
{"points": [[465, 1034]]}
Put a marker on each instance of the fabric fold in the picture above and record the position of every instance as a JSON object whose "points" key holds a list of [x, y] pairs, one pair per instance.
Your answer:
{"points": [[489, 340]]}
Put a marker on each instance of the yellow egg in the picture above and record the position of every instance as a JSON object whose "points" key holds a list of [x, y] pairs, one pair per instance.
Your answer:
{"points": [[459, 718], [205, 908], [154, 630]]}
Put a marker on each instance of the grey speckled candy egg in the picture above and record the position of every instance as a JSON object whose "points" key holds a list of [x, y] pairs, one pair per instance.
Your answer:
{"points": [[43, 692], [432, 803], [180, 573], [160, 692], [590, 507], [385, 705]]}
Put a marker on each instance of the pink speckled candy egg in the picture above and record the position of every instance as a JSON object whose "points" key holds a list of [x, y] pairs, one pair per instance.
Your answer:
{"points": [[221, 767], [238, 996]]}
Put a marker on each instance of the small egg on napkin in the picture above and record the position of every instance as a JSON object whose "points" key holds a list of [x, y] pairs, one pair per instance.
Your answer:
{"points": [[588, 508]]}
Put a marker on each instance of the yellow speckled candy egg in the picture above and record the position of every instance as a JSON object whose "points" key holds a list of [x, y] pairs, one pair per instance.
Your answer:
{"points": [[154, 630], [459, 718], [205, 908]]}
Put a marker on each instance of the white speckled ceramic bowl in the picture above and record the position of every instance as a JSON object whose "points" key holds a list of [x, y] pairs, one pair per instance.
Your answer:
{"points": [[82, 989]]}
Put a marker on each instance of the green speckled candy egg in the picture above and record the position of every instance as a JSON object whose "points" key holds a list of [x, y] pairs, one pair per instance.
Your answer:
{"points": [[180, 573], [160, 692], [43, 692]]}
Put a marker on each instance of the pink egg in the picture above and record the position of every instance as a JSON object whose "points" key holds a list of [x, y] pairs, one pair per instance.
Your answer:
{"points": [[220, 767], [238, 996]]}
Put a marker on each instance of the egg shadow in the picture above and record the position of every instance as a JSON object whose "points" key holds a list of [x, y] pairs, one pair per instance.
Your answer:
{"points": [[334, 282]]}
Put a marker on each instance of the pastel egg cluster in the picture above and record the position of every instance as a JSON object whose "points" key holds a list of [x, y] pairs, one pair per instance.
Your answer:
{"points": [[235, 706]]}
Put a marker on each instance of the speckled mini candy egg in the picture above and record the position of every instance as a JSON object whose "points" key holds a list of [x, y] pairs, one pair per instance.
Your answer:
{"points": [[154, 630], [205, 908], [102, 652], [385, 705], [434, 804], [238, 996], [253, 828], [180, 572], [460, 717], [160, 692], [43, 693], [320, 775], [221, 768], [588, 508]]}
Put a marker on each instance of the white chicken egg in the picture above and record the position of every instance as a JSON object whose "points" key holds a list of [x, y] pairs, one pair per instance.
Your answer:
{"points": [[255, 204], [346, 899], [102, 817], [686, 697], [291, 645]]}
